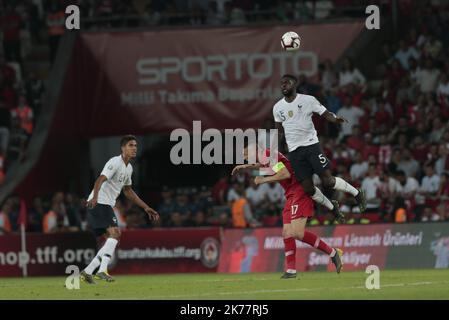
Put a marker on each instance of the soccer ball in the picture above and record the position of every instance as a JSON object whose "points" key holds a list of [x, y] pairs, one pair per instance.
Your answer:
{"points": [[290, 41]]}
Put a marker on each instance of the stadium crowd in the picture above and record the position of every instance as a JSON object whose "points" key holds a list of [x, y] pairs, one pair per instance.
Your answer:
{"points": [[25, 24], [395, 146]]}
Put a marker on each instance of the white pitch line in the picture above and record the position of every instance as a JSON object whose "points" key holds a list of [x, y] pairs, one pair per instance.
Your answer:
{"points": [[304, 289]]}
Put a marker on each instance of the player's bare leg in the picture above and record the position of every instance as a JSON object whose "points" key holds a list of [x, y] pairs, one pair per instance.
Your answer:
{"points": [[290, 252], [298, 229], [113, 236], [337, 183], [317, 196]]}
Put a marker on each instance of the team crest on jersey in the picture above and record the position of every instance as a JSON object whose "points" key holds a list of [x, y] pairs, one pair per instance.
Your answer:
{"points": [[290, 114]]}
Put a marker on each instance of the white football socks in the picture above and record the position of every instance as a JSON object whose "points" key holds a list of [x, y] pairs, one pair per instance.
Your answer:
{"points": [[109, 248], [99, 260], [342, 185], [320, 198]]}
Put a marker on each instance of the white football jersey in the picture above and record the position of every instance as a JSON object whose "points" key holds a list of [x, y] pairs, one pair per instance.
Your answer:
{"points": [[119, 175], [296, 118]]}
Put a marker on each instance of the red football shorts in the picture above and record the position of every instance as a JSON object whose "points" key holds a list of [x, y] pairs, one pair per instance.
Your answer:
{"points": [[297, 206]]}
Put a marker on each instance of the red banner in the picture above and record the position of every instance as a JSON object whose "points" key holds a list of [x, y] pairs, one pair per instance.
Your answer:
{"points": [[168, 251], [46, 254], [395, 246], [139, 251], [162, 80]]}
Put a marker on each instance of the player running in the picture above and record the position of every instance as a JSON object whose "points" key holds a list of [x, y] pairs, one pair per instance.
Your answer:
{"points": [[297, 209], [293, 118], [115, 177]]}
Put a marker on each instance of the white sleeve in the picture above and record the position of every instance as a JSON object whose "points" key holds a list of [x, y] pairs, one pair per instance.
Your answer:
{"points": [[276, 116], [316, 106], [110, 168]]}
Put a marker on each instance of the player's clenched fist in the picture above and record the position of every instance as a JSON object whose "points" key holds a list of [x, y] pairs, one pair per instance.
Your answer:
{"points": [[92, 203], [152, 213]]}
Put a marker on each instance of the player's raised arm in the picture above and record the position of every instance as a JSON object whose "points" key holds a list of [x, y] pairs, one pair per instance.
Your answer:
{"points": [[131, 195], [317, 107], [332, 117], [241, 167], [281, 174], [93, 202]]}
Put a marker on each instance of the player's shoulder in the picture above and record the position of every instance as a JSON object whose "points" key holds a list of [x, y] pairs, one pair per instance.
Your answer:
{"points": [[115, 159], [305, 98], [281, 102]]}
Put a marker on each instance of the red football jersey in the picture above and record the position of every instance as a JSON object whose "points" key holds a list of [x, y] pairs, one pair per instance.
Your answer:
{"points": [[291, 185]]}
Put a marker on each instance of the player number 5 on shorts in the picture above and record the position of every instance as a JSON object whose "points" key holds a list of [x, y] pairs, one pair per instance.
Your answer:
{"points": [[322, 158]]}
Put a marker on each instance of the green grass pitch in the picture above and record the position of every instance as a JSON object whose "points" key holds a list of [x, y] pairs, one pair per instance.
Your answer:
{"points": [[397, 284]]}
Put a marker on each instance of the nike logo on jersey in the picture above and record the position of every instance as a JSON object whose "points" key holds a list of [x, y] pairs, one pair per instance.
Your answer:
{"points": [[299, 107]]}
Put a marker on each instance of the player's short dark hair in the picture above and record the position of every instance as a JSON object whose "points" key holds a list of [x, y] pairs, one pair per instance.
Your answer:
{"points": [[290, 76], [125, 139]]}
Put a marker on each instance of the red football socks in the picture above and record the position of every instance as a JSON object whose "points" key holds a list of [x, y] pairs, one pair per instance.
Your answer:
{"points": [[290, 254], [312, 239]]}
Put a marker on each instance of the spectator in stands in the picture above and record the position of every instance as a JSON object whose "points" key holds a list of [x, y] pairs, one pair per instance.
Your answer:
{"points": [[370, 185], [242, 215], [220, 189], [352, 114], [256, 196], [407, 164], [35, 216], [437, 131], [5, 224], [408, 186], [400, 210], [50, 223], [395, 72], [24, 114], [167, 206], [385, 151], [232, 193], [433, 47], [199, 220], [183, 205], [429, 215], [359, 167], [442, 164], [176, 220], [136, 220], [349, 74], [404, 53], [430, 183], [73, 210], [428, 77], [328, 76], [213, 16], [275, 194]]}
